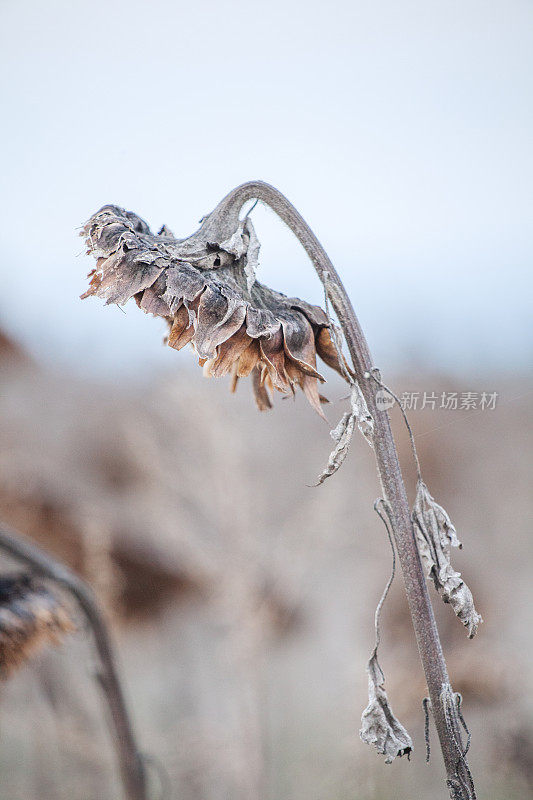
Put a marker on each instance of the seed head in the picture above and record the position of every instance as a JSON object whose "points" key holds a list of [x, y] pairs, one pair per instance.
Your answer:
{"points": [[30, 617], [205, 288]]}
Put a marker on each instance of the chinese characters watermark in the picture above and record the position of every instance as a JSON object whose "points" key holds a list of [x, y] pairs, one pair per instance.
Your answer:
{"points": [[448, 401]]}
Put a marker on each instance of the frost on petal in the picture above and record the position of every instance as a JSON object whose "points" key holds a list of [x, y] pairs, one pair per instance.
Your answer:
{"points": [[379, 726], [342, 436], [436, 535]]}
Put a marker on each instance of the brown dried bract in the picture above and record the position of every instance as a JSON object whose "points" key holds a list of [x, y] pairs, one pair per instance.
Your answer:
{"points": [[207, 292], [30, 617]]}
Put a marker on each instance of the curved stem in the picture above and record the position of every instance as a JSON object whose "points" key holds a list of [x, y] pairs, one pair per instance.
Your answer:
{"points": [[225, 217], [129, 757]]}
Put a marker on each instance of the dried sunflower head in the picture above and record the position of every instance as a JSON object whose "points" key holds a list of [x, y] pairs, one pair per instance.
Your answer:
{"points": [[30, 616], [206, 290]]}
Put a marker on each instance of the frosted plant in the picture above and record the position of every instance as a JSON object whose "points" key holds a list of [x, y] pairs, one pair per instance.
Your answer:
{"points": [[205, 286]]}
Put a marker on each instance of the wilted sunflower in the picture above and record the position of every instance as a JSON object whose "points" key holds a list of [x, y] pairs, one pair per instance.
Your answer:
{"points": [[207, 292], [30, 616]]}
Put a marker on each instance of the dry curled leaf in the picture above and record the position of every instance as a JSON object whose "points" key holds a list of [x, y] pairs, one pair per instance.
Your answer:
{"points": [[436, 535], [380, 727], [30, 617], [365, 422], [206, 290], [342, 435]]}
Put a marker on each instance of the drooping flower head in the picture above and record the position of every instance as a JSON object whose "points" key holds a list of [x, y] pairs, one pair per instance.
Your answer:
{"points": [[207, 291], [30, 617]]}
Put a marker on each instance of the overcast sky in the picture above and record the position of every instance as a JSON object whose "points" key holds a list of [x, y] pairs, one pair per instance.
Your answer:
{"points": [[401, 130]]}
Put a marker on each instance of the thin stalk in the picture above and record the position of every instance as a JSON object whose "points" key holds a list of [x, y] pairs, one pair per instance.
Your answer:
{"points": [[225, 217], [129, 757]]}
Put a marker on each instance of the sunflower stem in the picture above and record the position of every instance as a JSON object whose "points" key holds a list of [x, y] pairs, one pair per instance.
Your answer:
{"points": [[225, 218], [129, 757]]}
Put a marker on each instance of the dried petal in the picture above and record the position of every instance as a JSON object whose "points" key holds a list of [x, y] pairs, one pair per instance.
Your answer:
{"points": [[260, 391], [183, 283], [380, 727], [316, 315], [182, 331], [234, 378], [94, 283], [124, 276], [151, 300], [273, 353], [248, 360], [217, 320], [327, 351], [310, 388], [435, 535], [300, 343], [229, 352], [260, 322]]}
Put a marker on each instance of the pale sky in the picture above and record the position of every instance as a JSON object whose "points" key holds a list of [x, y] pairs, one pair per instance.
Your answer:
{"points": [[402, 131]]}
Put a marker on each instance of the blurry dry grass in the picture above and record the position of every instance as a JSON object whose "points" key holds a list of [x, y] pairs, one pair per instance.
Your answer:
{"points": [[237, 592]]}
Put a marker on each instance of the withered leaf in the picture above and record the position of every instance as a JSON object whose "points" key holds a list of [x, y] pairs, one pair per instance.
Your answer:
{"points": [[435, 535], [342, 436], [365, 422], [343, 433], [380, 728]]}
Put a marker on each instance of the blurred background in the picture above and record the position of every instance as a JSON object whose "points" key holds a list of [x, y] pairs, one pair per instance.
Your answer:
{"points": [[242, 600]]}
